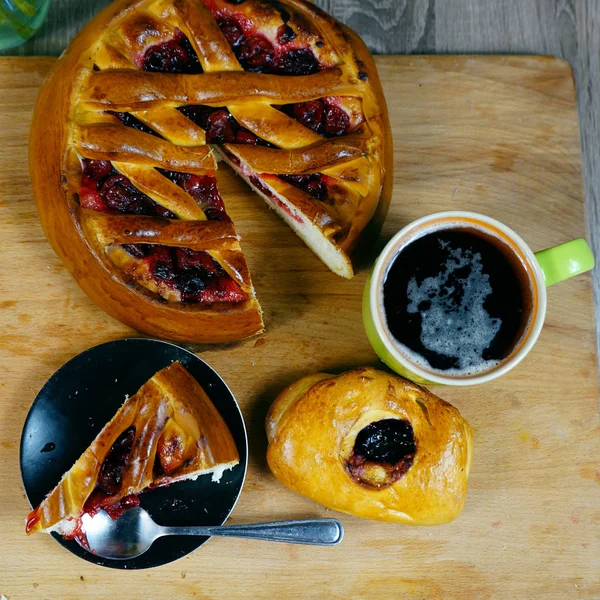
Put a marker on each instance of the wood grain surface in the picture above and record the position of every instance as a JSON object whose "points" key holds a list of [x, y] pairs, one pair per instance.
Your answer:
{"points": [[493, 134], [569, 29]]}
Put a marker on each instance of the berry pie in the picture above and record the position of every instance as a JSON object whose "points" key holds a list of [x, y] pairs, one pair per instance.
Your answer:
{"points": [[169, 431], [131, 123]]}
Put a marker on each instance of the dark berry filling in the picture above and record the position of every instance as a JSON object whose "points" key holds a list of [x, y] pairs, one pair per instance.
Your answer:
{"points": [[203, 188], [130, 121], [312, 184], [112, 470], [256, 53], [285, 34], [174, 56], [104, 189], [388, 444], [232, 30], [300, 61], [322, 116], [108, 485], [335, 121], [385, 441], [195, 274], [220, 126]]}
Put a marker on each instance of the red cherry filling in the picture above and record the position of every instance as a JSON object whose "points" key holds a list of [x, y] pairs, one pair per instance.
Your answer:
{"points": [[300, 61], [104, 189], [322, 116], [174, 56], [256, 53], [203, 189], [285, 34], [312, 184], [108, 485], [111, 473], [336, 121], [310, 114], [220, 126], [232, 30], [195, 274]]}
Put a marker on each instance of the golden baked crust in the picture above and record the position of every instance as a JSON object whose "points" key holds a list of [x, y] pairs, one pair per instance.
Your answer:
{"points": [[99, 73], [312, 429], [175, 425]]}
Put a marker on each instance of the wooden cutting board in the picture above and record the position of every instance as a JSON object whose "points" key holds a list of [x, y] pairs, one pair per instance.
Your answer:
{"points": [[497, 135]]}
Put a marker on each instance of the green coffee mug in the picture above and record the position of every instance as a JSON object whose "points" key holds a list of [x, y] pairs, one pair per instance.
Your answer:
{"points": [[543, 269]]}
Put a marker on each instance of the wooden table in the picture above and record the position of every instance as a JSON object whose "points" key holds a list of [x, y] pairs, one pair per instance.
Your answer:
{"points": [[498, 135], [566, 28]]}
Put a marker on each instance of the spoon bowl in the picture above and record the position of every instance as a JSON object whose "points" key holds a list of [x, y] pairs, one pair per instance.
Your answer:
{"points": [[134, 532]]}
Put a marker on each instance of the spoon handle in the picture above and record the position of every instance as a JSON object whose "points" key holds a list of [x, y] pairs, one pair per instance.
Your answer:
{"points": [[318, 532]]}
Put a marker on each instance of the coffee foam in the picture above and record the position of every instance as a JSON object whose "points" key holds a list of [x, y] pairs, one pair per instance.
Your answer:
{"points": [[456, 326], [445, 333]]}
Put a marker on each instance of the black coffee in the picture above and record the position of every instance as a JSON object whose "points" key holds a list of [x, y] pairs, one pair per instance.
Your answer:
{"points": [[455, 299]]}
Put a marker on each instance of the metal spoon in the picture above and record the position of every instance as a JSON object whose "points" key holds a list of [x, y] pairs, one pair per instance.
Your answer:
{"points": [[135, 531]]}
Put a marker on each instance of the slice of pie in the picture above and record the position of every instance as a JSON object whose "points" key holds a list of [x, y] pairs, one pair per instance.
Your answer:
{"points": [[169, 431], [127, 130]]}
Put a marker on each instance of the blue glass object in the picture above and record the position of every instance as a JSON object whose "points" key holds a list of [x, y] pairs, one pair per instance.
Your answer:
{"points": [[19, 20]]}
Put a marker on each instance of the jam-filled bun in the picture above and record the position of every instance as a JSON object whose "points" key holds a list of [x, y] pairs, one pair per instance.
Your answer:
{"points": [[372, 445]]}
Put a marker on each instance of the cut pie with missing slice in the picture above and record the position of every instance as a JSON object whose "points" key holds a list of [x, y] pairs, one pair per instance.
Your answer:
{"points": [[167, 432], [127, 128]]}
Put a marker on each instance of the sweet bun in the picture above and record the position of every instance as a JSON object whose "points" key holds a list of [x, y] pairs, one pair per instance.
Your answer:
{"points": [[372, 445]]}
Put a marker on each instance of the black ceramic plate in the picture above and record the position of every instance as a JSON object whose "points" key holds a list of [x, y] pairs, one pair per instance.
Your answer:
{"points": [[83, 395]]}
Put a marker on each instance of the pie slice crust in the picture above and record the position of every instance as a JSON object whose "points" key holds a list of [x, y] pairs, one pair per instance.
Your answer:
{"points": [[168, 431]]}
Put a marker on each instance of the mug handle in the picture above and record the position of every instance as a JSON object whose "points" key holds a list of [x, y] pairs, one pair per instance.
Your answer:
{"points": [[565, 260]]}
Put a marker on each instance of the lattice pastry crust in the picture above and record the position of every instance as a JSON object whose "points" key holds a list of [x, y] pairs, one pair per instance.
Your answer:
{"points": [[124, 140]]}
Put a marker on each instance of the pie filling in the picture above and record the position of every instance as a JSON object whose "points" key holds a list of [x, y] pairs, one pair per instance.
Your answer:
{"points": [[220, 125], [173, 56], [203, 188], [104, 189], [194, 274], [255, 52], [313, 184], [323, 115], [383, 453]]}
